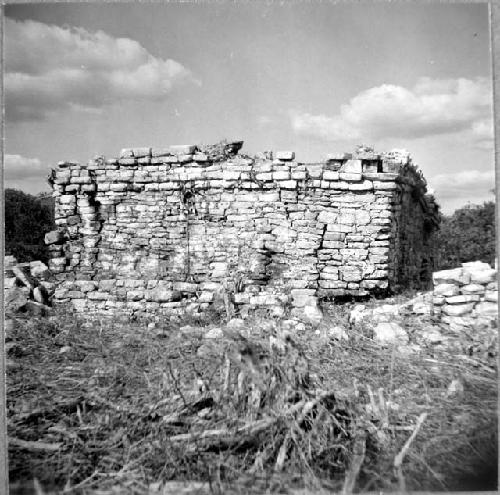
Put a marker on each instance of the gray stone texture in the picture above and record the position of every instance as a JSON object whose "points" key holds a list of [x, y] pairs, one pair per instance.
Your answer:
{"points": [[181, 228], [468, 292]]}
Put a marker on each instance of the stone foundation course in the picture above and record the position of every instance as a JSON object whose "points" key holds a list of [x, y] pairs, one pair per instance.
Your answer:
{"points": [[165, 231]]}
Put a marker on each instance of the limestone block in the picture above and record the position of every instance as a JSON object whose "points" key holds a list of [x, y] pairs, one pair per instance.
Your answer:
{"points": [[183, 149], [73, 220], [67, 199], [446, 289], [206, 297], [315, 171], [352, 167], [349, 177], [381, 221], [135, 295], [227, 174], [285, 155], [331, 175], [81, 180], [491, 296], [166, 186], [354, 254], [457, 309], [432, 335], [15, 299], [384, 186], [362, 217], [264, 176], [460, 299], [38, 269], [80, 305], [328, 216], [54, 237], [472, 289], [160, 152], [366, 185], [158, 160], [327, 275], [475, 266], [298, 174], [310, 313], [390, 333], [170, 159], [86, 285], [127, 161], [438, 300], [281, 175], [453, 276], [126, 153], [200, 157], [184, 158], [374, 284], [341, 228], [265, 300], [351, 274], [140, 152], [266, 197], [492, 286], [97, 295], [486, 308], [185, 287], [9, 282], [380, 251], [288, 184], [242, 298], [74, 294], [303, 297], [214, 333], [284, 234], [484, 276]]}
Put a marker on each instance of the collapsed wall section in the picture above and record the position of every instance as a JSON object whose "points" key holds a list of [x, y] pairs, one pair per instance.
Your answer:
{"points": [[180, 229]]}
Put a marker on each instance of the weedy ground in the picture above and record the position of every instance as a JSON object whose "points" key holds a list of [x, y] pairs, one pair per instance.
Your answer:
{"points": [[113, 408]]}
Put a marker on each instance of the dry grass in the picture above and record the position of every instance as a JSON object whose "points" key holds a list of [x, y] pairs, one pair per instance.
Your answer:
{"points": [[122, 409]]}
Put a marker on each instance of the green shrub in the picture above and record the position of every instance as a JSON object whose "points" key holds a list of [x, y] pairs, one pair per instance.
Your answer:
{"points": [[467, 235], [27, 219]]}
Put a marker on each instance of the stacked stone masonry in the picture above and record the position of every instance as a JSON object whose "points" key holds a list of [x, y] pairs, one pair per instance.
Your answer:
{"points": [[164, 231], [467, 294]]}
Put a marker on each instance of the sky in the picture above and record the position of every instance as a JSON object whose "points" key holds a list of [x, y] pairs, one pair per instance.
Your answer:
{"points": [[87, 79]]}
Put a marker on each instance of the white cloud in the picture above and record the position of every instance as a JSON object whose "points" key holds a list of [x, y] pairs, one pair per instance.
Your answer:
{"points": [[432, 106], [49, 68], [18, 167], [264, 120], [464, 184], [483, 133]]}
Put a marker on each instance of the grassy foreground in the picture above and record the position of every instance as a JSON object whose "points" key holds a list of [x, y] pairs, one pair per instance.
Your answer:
{"points": [[112, 408]]}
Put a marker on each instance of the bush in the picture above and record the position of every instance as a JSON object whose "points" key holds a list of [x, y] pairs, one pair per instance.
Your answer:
{"points": [[27, 219], [467, 235]]}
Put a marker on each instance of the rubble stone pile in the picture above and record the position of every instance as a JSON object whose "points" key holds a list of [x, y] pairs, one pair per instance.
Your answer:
{"points": [[165, 231], [466, 294], [27, 287]]}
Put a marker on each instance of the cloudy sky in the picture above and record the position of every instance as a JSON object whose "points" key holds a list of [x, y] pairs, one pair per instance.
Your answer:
{"points": [[88, 79]]}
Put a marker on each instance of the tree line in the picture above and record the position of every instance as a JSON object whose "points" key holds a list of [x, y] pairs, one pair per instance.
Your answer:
{"points": [[27, 219]]}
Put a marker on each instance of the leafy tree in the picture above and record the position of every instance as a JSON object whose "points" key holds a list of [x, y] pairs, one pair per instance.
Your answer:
{"points": [[467, 235], [27, 219]]}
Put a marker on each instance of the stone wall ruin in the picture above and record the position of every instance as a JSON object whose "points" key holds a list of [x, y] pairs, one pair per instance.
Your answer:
{"points": [[164, 231]]}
